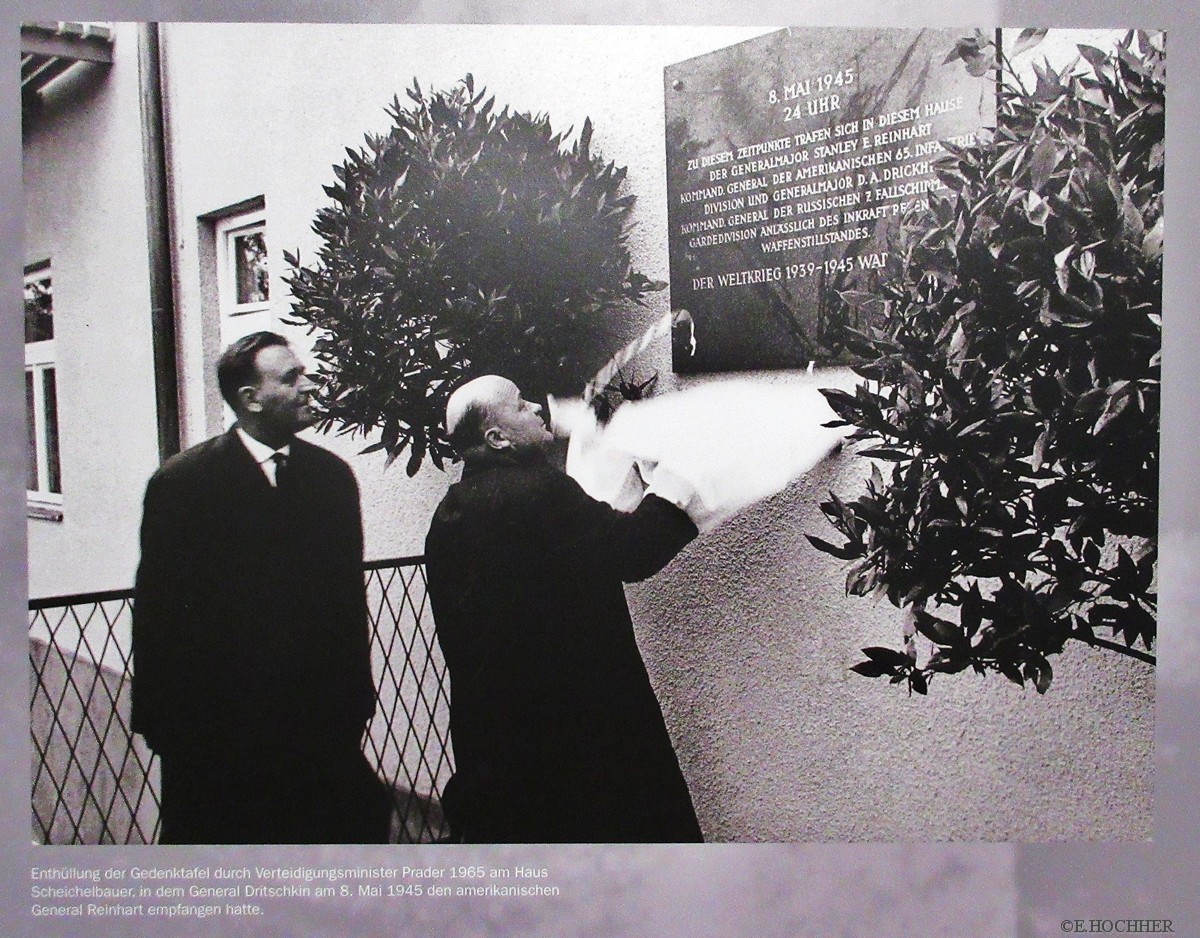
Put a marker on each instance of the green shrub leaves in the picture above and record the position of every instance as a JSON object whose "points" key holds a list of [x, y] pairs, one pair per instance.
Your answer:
{"points": [[463, 241], [1013, 384]]}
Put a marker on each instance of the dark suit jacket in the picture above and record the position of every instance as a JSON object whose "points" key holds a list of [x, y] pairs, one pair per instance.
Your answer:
{"points": [[249, 623], [557, 732]]}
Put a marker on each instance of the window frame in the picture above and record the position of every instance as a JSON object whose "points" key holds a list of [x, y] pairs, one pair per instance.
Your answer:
{"points": [[226, 231], [41, 360]]}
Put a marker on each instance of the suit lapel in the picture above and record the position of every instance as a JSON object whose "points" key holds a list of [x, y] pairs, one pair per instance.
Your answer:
{"points": [[243, 472], [300, 470]]}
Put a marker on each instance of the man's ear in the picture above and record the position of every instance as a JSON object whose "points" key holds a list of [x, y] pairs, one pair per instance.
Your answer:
{"points": [[248, 395], [494, 438]]}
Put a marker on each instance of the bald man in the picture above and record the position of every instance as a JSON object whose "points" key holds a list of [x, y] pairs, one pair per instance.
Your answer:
{"points": [[557, 733]]}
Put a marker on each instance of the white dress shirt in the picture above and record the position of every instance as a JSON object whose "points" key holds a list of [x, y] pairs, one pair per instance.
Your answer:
{"points": [[263, 454]]}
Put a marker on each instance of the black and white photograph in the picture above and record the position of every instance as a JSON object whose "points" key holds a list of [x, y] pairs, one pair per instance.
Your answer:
{"points": [[446, 442]]}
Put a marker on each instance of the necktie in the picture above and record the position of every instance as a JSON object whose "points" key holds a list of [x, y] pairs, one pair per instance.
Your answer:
{"points": [[281, 462]]}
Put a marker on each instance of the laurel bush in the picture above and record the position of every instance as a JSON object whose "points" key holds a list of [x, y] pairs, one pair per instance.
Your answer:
{"points": [[1012, 389], [463, 241]]}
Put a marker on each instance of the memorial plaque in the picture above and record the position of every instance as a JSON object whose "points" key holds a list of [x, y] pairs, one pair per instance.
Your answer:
{"points": [[791, 159]]}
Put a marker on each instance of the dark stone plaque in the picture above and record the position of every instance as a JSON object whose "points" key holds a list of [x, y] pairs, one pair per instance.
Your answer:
{"points": [[790, 158]]}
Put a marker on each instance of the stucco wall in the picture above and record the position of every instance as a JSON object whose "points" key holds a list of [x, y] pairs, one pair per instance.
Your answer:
{"points": [[85, 210], [749, 634]]}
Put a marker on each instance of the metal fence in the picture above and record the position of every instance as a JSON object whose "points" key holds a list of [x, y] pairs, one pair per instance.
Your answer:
{"points": [[96, 782]]}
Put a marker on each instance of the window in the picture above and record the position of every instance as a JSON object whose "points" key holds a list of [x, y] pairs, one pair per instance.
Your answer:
{"points": [[242, 267], [43, 475], [234, 251]]}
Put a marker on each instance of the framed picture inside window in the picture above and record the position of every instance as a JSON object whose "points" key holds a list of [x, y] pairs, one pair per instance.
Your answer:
{"points": [[243, 270]]}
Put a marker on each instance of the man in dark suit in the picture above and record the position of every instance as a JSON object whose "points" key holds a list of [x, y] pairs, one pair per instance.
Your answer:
{"points": [[557, 733], [252, 673]]}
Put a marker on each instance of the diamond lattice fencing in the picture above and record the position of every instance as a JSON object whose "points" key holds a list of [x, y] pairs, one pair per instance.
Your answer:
{"points": [[96, 782]]}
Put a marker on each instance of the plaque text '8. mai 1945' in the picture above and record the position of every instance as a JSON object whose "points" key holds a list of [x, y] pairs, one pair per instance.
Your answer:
{"points": [[789, 158]]}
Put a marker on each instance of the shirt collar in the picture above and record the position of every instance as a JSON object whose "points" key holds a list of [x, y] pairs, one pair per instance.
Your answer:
{"points": [[259, 450]]}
